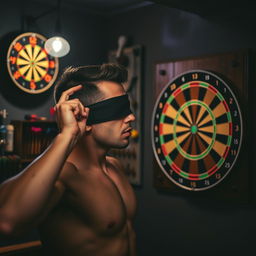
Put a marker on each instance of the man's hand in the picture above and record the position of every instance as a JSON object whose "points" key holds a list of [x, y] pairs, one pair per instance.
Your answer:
{"points": [[71, 114]]}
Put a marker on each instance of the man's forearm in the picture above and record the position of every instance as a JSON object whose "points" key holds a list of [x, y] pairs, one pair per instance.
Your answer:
{"points": [[24, 196]]}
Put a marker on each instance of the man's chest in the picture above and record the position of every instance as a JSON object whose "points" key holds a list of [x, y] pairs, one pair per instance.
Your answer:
{"points": [[104, 202]]}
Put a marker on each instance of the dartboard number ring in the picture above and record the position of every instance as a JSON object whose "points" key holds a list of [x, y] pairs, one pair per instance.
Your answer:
{"points": [[196, 130], [30, 67]]}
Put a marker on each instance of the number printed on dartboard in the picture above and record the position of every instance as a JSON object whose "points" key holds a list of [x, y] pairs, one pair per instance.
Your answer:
{"points": [[196, 130]]}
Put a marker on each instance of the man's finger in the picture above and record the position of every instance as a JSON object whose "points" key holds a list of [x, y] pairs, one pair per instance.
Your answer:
{"points": [[65, 95]]}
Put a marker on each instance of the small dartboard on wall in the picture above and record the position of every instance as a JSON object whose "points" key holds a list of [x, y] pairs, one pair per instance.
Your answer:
{"points": [[196, 130], [30, 67]]}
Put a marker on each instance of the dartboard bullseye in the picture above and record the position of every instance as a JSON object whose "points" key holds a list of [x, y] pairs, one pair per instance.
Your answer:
{"points": [[31, 68], [196, 130]]}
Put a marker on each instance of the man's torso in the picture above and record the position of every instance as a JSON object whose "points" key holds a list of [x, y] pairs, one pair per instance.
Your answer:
{"points": [[93, 217]]}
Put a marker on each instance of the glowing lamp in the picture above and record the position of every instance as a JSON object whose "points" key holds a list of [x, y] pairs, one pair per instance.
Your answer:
{"points": [[57, 46]]}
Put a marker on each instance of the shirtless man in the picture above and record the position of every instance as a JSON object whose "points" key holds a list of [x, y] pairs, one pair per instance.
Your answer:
{"points": [[76, 195]]}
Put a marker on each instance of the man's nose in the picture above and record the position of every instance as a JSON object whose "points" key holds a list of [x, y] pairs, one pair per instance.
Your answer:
{"points": [[130, 118]]}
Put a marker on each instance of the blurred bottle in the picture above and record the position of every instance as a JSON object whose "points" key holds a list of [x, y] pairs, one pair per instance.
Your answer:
{"points": [[9, 138], [3, 131]]}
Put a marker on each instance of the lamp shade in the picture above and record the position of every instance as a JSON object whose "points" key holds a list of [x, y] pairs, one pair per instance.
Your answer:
{"points": [[57, 46]]}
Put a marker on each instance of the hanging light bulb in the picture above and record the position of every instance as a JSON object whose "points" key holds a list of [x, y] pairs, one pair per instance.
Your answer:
{"points": [[57, 46]]}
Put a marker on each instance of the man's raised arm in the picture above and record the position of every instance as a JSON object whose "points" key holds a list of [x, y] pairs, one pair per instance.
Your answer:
{"points": [[24, 197]]}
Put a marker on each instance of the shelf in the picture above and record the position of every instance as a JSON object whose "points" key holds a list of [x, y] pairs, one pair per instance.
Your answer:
{"points": [[18, 247]]}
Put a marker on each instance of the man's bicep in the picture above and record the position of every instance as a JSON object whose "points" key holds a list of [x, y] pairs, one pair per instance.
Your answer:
{"points": [[53, 199], [58, 190], [56, 195]]}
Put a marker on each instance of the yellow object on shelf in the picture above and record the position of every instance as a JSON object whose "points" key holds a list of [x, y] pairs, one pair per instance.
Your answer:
{"points": [[134, 133]]}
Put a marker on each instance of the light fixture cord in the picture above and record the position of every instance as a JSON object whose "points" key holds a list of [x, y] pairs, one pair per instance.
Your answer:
{"points": [[58, 23]]}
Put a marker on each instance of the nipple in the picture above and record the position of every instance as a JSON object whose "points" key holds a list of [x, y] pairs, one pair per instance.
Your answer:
{"points": [[111, 224]]}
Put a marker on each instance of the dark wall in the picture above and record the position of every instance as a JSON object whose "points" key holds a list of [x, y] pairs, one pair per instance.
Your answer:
{"points": [[169, 224], [84, 31]]}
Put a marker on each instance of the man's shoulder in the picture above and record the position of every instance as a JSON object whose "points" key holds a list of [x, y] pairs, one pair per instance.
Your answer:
{"points": [[113, 160], [68, 171], [116, 163]]}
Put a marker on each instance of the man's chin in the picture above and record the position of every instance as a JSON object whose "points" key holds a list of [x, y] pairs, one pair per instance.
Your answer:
{"points": [[121, 146]]}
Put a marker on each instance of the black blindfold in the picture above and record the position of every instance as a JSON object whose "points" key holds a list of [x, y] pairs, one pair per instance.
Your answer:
{"points": [[107, 110]]}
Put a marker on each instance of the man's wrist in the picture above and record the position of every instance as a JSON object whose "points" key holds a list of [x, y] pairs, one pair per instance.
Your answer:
{"points": [[68, 139]]}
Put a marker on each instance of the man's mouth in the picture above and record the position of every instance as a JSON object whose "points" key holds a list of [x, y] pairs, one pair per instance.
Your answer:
{"points": [[127, 130]]}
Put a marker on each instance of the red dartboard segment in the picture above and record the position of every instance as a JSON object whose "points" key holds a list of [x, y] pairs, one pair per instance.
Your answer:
{"points": [[213, 170], [165, 108], [194, 84], [30, 67], [164, 150], [175, 168], [225, 105], [176, 92], [213, 89], [230, 129], [161, 129], [200, 123], [226, 152]]}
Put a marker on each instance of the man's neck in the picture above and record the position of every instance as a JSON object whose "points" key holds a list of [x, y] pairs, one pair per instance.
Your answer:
{"points": [[88, 155]]}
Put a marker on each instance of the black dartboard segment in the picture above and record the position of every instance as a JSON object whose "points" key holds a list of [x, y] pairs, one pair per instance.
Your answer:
{"points": [[196, 130], [31, 68]]}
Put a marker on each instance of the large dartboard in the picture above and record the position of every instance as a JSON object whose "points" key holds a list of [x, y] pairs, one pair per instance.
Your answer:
{"points": [[31, 68], [196, 130]]}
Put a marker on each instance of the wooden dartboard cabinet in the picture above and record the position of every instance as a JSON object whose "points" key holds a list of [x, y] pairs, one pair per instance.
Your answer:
{"points": [[235, 68]]}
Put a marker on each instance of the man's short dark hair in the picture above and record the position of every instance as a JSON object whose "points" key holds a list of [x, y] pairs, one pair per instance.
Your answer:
{"points": [[88, 77]]}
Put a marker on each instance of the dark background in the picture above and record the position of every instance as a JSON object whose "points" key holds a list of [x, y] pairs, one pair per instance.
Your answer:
{"points": [[166, 224]]}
